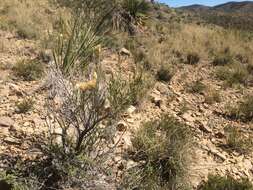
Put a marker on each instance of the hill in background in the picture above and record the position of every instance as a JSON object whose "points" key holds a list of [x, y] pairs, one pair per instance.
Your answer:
{"points": [[237, 15]]}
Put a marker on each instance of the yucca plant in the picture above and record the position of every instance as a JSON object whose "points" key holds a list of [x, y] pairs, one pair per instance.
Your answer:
{"points": [[76, 44], [96, 11], [136, 8]]}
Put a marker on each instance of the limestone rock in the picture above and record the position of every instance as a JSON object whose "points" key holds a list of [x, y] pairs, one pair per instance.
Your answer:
{"points": [[15, 90], [124, 51], [157, 100], [188, 117], [6, 122], [163, 89], [12, 141], [131, 110]]}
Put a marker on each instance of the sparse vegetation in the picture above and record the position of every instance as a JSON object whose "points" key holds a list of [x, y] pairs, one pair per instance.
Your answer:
{"points": [[165, 73], [101, 59], [243, 111], [212, 96], [223, 59], [25, 105], [192, 58], [238, 141], [136, 8], [196, 87], [28, 69], [234, 74], [163, 148], [82, 140], [31, 20], [216, 182], [183, 108]]}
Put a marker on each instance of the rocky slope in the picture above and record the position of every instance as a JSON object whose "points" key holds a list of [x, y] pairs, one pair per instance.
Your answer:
{"points": [[18, 130]]}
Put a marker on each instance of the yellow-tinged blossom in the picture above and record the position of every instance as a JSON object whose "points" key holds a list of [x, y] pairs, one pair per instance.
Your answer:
{"points": [[89, 85]]}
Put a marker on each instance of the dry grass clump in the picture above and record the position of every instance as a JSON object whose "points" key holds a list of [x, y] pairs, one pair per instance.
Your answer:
{"points": [[180, 41], [29, 19], [212, 96], [233, 74], [162, 147], [28, 70], [222, 59], [208, 41], [196, 87], [243, 111], [216, 182], [238, 141]]}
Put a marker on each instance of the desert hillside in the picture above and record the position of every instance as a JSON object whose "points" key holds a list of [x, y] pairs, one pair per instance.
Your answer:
{"points": [[125, 95], [231, 15]]}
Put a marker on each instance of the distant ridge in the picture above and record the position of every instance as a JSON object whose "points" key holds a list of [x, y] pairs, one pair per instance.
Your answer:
{"points": [[233, 6], [235, 15], [245, 6], [195, 7]]}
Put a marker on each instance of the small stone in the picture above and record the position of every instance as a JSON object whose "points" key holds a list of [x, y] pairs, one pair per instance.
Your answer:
{"points": [[124, 51], [15, 90], [26, 124], [6, 122], [4, 131], [188, 117], [205, 105], [12, 141], [131, 164], [107, 105], [131, 109], [163, 89], [156, 100], [122, 126]]}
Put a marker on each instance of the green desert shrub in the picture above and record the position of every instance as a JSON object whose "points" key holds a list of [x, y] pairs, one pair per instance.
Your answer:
{"points": [[196, 87], [136, 8], [192, 58], [216, 182], [238, 141], [165, 73], [8, 182], [163, 149], [28, 69]]}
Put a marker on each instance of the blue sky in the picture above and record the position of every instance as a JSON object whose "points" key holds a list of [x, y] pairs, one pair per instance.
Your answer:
{"points": [[177, 3]]}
